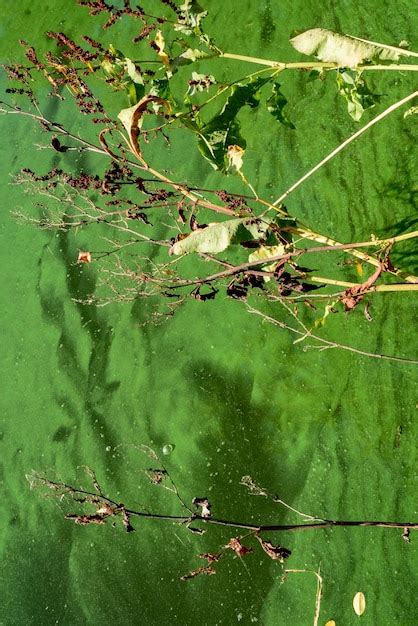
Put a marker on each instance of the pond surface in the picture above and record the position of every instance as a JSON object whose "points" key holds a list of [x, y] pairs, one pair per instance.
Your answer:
{"points": [[331, 433]]}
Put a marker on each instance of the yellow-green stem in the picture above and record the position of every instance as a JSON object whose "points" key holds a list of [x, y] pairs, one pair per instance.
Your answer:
{"points": [[379, 288], [311, 65]]}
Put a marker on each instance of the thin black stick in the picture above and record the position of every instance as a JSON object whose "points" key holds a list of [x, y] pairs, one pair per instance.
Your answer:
{"points": [[65, 489]]}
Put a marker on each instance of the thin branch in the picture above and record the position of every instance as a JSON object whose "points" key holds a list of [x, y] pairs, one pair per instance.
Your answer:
{"points": [[325, 343]]}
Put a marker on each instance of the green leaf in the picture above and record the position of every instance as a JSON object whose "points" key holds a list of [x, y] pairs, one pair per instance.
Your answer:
{"points": [[223, 130], [190, 17], [352, 87], [200, 82], [345, 50], [218, 236], [276, 104], [160, 88], [135, 92], [191, 55]]}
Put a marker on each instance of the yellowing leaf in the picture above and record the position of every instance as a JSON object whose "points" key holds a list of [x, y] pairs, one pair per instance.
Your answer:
{"points": [[330, 623], [266, 252], [359, 603], [234, 155], [160, 43], [345, 50]]}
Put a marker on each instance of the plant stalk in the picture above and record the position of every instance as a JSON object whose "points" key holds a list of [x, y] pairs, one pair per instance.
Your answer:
{"points": [[311, 65]]}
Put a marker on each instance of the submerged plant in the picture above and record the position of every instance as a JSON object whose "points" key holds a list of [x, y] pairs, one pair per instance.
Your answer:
{"points": [[163, 233]]}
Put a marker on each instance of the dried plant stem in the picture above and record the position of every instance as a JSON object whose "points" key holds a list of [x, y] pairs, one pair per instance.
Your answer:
{"points": [[344, 144], [74, 492]]}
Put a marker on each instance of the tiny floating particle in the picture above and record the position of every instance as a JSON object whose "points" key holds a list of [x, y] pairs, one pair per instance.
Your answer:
{"points": [[359, 603], [168, 449]]}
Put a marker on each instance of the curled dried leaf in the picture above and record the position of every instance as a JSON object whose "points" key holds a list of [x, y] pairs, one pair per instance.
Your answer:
{"points": [[211, 557], [354, 295], [156, 476], [277, 553], [126, 521], [132, 119], [205, 569]]}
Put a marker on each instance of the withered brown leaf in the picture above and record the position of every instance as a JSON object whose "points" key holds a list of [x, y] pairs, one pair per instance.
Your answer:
{"points": [[236, 545], [205, 569], [277, 553]]}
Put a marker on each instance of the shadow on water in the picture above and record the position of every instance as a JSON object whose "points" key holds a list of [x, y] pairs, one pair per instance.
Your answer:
{"points": [[252, 431], [93, 388]]}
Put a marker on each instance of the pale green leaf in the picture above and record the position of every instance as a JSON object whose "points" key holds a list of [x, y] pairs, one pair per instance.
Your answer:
{"points": [[266, 252], [189, 17], [192, 54], [345, 50], [214, 238], [218, 236], [133, 72], [353, 88]]}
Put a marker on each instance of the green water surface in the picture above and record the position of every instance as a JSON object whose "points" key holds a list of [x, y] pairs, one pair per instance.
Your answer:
{"points": [[332, 433]]}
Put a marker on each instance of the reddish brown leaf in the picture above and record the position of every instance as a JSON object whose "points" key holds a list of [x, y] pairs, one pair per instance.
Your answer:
{"points": [[354, 295], [84, 257], [236, 545], [211, 557]]}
